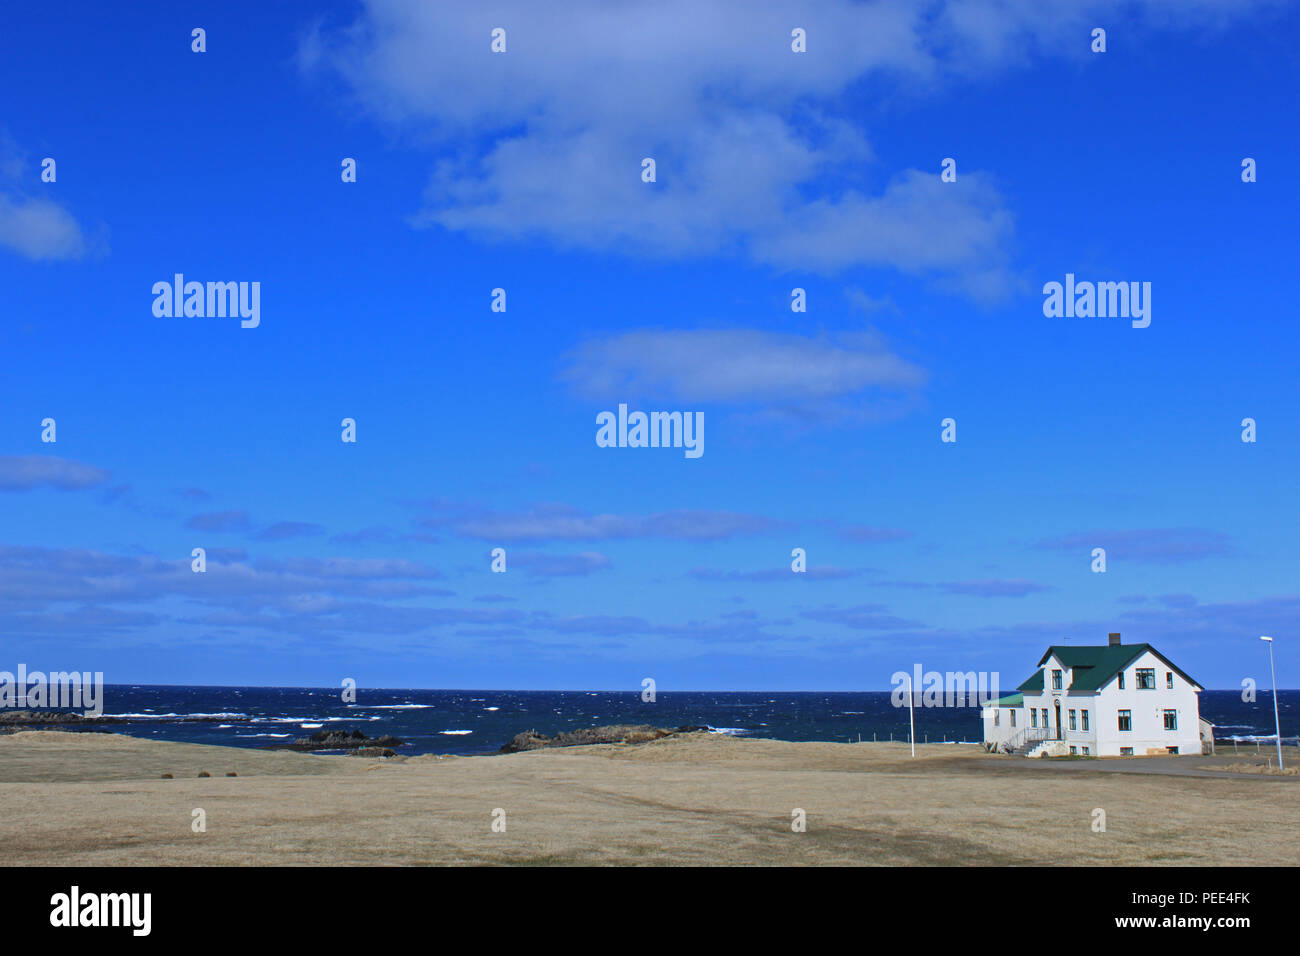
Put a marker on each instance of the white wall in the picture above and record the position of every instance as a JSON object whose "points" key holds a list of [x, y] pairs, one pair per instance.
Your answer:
{"points": [[999, 730], [1147, 707]]}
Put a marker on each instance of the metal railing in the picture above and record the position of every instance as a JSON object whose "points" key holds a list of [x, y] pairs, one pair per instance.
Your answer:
{"points": [[1028, 737]]}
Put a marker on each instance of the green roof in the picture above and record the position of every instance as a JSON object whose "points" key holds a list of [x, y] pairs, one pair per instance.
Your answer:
{"points": [[1094, 665], [1014, 700]]}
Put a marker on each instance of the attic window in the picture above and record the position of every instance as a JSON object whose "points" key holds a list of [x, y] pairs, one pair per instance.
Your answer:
{"points": [[1169, 679], [1056, 680]]}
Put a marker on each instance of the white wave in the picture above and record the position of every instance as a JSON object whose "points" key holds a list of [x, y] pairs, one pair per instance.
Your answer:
{"points": [[390, 706], [729, 731], [455, 733], [263, 735], [310, 726], [491, 708]]}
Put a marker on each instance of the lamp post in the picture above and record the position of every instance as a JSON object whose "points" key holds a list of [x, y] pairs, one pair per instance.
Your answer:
{"points": [[1277, 724], [911, 713]]}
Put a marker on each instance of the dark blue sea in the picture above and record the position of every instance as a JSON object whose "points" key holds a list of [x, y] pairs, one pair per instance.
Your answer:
{"points": [[480, 721]]}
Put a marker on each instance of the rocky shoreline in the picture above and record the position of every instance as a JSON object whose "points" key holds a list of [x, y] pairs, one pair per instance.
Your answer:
{"points": [[13, 720]]}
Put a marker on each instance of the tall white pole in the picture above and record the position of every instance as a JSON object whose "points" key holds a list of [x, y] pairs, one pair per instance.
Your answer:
{"points": [[911, 713], [1277, 724]]}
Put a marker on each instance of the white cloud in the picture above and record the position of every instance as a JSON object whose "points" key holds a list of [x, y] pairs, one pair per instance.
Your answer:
{"points": [[33, 226], [39, 229], [757, 154], [736, 366]]}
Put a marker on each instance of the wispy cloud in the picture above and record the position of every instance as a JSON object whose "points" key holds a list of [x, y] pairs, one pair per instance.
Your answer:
{"points": [[29, 472], [824, 573], [220, 521], [866, 534], [284, 530], [995, 587], [560, 522], [1146, 546], [558, 565], [864, 617]]}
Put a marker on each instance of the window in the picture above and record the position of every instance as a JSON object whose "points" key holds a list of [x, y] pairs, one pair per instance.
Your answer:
{"points": [[1085, 721], [1045, 723], [1172, 750], [1086, 751], [1013, 718], [1126, 720], [1033, 717], [1169, 679], [1074, 751], [997, 717], [1171, 720], [1056, 680], [1072, 727], [1121, 680], [1146, 678], [1126, 751]]}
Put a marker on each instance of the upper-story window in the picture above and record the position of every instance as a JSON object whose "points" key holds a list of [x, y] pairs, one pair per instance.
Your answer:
{"points": [[1121, 680], [1056, 680], [1169, 679], [1146, 678]]}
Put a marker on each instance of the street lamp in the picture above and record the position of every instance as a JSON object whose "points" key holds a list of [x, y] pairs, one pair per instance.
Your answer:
{"points": [[1277, 726], [911, 713]]}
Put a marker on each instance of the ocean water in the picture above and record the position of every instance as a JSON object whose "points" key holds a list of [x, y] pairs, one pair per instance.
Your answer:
{"points": [[480, 721]]}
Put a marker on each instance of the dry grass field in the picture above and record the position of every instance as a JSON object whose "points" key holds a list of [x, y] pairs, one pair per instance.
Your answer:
{"points": [[98, 799]]}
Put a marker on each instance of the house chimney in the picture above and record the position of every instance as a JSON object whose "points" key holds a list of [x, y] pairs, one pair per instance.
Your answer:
{"points": [[1114, 639]]}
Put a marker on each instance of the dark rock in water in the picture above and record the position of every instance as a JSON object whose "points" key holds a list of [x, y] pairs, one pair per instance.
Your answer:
{"points": [[231, 773], [204, 773], [615, 734], [372, 752], [339, 740], [166, 776]]}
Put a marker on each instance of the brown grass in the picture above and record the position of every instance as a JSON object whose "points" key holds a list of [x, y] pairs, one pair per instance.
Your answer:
{"points": [[99, 799], [1264, 768]]}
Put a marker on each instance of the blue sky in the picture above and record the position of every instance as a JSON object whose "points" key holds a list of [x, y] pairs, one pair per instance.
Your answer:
{"points": [[476, 429]]}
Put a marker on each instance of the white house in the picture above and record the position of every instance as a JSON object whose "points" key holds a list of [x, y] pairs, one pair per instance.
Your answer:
{"points": [[1112, 700]]}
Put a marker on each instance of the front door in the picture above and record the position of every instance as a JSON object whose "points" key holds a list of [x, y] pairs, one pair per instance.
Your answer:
{"points": [[1058, 720]]}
